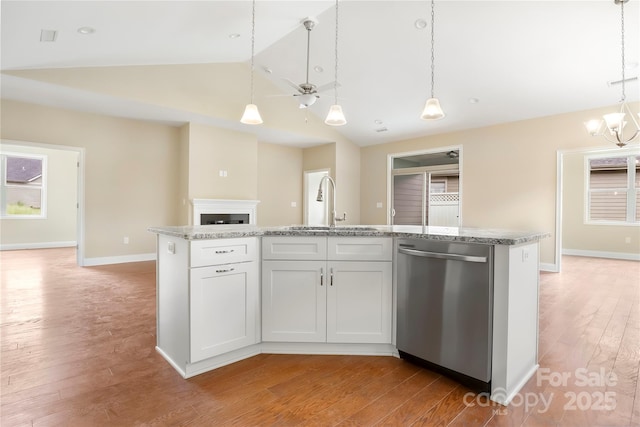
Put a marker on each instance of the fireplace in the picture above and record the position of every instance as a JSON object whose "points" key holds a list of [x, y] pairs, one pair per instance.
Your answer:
{"points": [[219, 211]]}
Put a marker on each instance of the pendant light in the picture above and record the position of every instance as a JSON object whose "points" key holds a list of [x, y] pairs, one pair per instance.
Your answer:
{"points": [[432, 109], [615, 122], [251, 114], [336, 116]]}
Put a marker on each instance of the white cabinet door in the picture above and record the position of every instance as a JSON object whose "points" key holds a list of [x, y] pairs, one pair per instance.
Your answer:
{"points": [[359, 302], [294, 301], [224, 302]]}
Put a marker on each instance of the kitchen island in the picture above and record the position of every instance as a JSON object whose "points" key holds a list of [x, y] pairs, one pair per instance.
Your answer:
{"points": [[225, 293]]}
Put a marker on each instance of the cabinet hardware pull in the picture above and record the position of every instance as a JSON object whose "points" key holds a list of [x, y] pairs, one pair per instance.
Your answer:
{"points": [[225, 271], [225, 252], [331, 283], [321, 276]]}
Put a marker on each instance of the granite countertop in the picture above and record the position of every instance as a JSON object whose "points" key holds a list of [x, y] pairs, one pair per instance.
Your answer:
{"points": [[452, 234]]}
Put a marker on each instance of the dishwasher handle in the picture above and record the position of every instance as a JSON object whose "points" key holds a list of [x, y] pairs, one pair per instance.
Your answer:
{"points": [[440, 255]]}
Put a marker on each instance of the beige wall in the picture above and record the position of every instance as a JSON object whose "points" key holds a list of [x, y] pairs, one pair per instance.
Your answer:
{"points": [[185, 208], [578, 236], [218, 91], [59, 226], [347, 176], [508, 172], [131, 178], [320, 157], [279, 184], [212, 150]]}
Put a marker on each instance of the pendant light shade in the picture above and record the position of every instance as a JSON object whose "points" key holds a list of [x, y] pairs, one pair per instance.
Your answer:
{"points": [[335, 116], [615, 123], [432, 110], [251, 115]]}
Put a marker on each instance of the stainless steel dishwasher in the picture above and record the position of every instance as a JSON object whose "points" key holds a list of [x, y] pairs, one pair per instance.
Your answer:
{"points": [[445, 309]]}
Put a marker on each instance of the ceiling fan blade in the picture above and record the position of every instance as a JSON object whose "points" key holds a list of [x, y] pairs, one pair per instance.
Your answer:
{"points": [[293, 85], [327, 86]]}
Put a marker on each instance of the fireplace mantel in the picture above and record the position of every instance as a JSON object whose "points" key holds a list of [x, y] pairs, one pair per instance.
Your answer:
{"points": [[224, 206]]}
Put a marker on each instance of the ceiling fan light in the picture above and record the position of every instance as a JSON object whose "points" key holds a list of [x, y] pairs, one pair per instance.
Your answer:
{"points": [[307, 100], [335, 116], [432, 110], [251, 115]]}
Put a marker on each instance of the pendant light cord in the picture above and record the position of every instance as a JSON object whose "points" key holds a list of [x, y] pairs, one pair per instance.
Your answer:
{"points": [[253, 41], [335, 81], [432, 49], [622, 44]]}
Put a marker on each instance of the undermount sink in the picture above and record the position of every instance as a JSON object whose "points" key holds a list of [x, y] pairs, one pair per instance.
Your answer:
{"points": [[327, 228]]}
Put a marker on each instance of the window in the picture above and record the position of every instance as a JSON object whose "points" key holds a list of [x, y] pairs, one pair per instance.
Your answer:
{"points": [[23, 185], [613, 189]]}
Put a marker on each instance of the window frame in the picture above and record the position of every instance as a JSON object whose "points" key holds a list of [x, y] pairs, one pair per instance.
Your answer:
{"points": [[632, 192], [3, 185]]}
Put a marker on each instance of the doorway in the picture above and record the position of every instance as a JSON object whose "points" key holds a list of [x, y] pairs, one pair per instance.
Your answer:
{"points": [[315, 213], [73, 182], [424, 188]]}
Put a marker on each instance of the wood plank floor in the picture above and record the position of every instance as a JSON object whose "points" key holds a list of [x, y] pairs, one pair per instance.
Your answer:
{"points": [[78, 350]]}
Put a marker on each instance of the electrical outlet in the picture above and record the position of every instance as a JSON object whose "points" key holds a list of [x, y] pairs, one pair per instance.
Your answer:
{"points": [[525, 255], [294, 204], [171, 247], [125, 240], [379, 205]]}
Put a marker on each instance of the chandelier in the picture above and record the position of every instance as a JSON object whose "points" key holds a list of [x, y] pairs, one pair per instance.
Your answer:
{"points": [[615, 123]]}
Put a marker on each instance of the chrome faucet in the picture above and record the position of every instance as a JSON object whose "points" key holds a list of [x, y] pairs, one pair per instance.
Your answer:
{"points": [[334, 213]]}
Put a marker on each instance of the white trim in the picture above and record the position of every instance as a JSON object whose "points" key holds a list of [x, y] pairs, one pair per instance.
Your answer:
{"points": [[90, 262], [602, 254], [557, 258], [224, 206], [43, 245], [550, 268]]}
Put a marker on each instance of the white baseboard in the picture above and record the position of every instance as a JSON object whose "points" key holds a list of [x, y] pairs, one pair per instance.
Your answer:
{"points": [[90, 262], [602, 254], [40, 245], [551, 268]]}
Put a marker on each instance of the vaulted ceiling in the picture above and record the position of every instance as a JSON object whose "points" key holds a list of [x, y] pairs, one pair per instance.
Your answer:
{"points": [[495, 61]]}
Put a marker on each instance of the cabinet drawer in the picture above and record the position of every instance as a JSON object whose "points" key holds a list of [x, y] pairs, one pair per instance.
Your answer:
{"points": [[222, 251], [294, 248], [360, 248]]}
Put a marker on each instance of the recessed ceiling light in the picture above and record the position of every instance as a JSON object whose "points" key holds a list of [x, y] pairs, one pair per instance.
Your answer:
{"points": [[473, 100], [420, 24], [234, 35], [318, 69], [86, 30], [48, 35]]}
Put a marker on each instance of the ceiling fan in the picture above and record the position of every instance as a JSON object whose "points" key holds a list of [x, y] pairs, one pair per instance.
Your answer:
{"points": [[308, 92]]}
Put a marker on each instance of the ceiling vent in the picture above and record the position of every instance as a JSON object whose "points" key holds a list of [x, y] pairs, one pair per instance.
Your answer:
{"points": [[48, 35]]}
